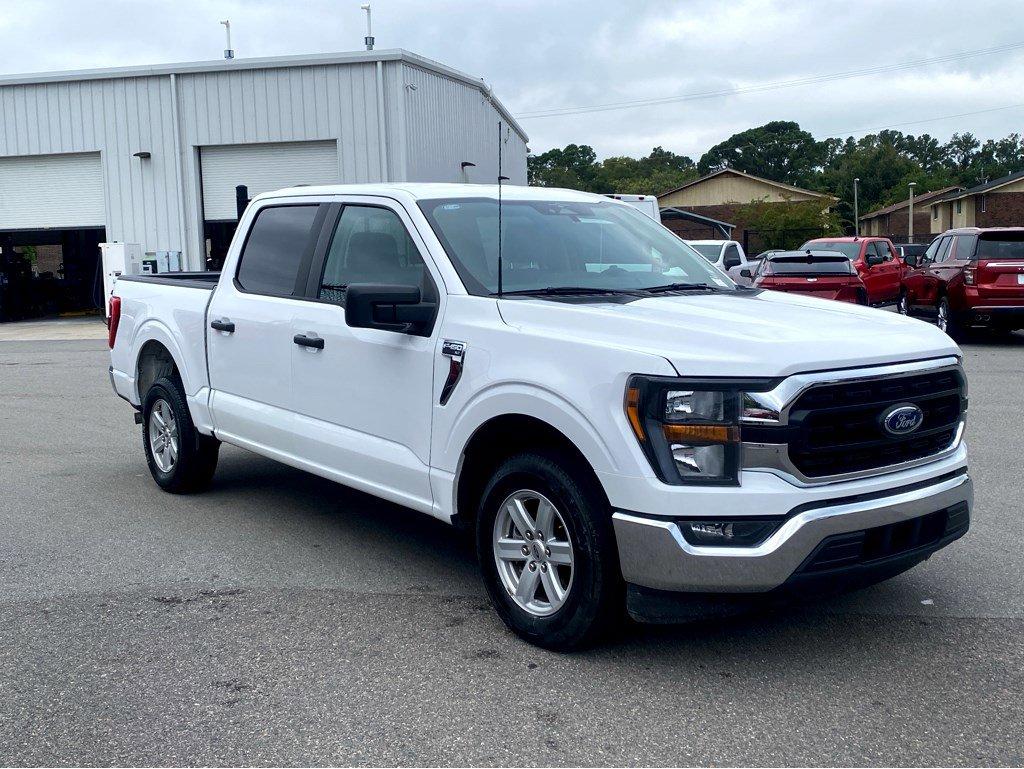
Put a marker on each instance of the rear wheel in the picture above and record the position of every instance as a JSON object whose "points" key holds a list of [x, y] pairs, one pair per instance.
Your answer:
{"points": [[547, 551], [180, 458]]}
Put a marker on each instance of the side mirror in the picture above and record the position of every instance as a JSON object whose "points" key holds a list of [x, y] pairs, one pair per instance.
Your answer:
{"points": [[745, 273], [389, 308], [910, 260], [874, 259]]}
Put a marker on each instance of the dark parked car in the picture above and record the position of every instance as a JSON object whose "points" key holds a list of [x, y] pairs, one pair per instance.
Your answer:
{"points": [[903, 250], [968, 277]]}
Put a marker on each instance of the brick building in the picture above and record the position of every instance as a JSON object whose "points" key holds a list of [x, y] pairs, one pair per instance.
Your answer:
{"points": [[998, 203], [894, 221], [721, 196]]}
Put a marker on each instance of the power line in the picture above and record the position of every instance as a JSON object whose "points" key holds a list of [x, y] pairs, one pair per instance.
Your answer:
{"points": [[924, 120], [812, 80]]}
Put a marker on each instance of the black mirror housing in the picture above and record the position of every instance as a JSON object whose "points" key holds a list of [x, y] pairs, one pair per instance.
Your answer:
{"points": [[910, 260], [389, 308], [874, 259], [745, 272]]}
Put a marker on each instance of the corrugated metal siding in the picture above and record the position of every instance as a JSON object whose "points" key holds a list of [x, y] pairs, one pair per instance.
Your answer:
{"points": [[262, 168], [115, 118], [448, 123], [157, 201], [51, 191]]}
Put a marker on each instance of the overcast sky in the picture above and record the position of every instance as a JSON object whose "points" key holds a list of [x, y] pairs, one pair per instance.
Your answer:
{"points": [[555, 54]]}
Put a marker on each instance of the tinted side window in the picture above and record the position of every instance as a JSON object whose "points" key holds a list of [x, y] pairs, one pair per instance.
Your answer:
{"points": [[279, 239], [882, 250], [965, 246], [371, 245], [933, 249], [944, 248]]}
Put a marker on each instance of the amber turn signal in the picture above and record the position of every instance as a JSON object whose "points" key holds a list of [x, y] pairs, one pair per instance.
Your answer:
{"points": [[633, 412], [676, 433]]}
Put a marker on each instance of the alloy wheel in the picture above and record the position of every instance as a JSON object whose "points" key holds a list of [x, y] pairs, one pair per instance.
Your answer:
{"points": [[533, 552], [163, 436], [942, 319]]}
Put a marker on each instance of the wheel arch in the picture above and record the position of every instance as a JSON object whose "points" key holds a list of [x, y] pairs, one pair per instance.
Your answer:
{"points": [[494, 441]]}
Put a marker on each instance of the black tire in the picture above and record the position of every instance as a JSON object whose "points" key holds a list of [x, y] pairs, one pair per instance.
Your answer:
{"points": [[903, 303], [595, 602], [196, 460], [862, 298], [953, 328]]}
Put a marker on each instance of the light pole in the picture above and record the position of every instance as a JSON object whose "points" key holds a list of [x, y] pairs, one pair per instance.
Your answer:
{"points": [[369, 32], [910, 221], [229, 52], [856, 212]]}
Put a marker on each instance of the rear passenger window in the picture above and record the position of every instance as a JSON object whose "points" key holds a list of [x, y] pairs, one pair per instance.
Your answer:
{"points": [[965, 246], [371, 245], [280, 239]]}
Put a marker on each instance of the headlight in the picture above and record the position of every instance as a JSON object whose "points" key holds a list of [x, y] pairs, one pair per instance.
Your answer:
{"points": [[688, 430]]}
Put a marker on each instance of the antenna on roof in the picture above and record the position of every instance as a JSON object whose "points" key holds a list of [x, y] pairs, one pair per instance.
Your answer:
{"points": [[500, 180]]}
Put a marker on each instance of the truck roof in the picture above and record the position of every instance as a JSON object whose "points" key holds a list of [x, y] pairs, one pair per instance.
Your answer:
{"points": [[430, 191]]}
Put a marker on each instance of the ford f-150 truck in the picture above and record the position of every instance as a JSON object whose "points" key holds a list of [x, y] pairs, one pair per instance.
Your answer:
{"points": [[615, 421]]}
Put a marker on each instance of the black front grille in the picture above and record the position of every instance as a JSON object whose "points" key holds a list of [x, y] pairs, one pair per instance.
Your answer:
{"points": [[837, 428], [895, 539]]}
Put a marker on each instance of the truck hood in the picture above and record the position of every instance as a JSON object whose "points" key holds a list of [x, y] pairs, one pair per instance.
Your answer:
{"points": [[762, 334]]}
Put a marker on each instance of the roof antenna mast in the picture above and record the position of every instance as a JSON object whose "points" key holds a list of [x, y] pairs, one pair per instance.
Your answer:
{"points": [[500, 180]]}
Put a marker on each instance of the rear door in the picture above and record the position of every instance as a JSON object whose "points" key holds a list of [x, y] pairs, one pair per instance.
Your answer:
{"points": [[363, 400], [250, 327]]}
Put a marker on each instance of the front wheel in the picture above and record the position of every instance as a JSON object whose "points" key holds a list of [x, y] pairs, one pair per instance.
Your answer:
{"points": [[180, 458], [945, 320], [547, 551]]}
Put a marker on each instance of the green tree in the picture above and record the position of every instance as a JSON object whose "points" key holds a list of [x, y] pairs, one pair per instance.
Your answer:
{"points": [[779, 150], [788, 226], [574, 167]]}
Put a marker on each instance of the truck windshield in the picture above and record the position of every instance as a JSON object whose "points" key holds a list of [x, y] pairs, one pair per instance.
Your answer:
{"points": [[710, 251], [593, 246]]}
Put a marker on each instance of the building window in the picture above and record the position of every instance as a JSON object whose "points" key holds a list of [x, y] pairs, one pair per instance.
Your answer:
{"points": [[984, 203], [935, 212], [959, 206]]}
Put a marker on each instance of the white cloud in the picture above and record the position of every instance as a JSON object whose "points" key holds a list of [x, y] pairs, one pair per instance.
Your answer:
{"points": [[540, 55]]}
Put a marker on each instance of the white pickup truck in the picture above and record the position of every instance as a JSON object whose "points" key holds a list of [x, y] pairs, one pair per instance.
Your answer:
{"points": [[617, 422]]}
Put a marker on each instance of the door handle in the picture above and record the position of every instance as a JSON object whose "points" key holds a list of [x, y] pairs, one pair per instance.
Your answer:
{"points": [[308, 341], [223, 325]]}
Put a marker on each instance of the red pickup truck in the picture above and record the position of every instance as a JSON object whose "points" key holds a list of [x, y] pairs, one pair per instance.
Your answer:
{"points": [[874, 259], [968, 277]]}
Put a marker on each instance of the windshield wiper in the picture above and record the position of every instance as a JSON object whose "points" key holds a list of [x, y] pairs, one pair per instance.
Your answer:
{"points": [[565, 291], [681, 287]]}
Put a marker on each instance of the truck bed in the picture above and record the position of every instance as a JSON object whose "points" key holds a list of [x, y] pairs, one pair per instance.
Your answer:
{"points": [[207, 280]]}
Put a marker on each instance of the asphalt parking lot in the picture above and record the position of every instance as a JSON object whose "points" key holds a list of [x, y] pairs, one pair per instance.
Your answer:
{"points": [[281, 619]]}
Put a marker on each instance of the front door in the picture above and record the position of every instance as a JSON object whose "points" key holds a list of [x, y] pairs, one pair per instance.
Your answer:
{"points": [[362, 398]]}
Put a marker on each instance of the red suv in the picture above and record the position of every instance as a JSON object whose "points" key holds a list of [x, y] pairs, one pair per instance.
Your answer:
{"points": [[968, 277], [874, 259]]}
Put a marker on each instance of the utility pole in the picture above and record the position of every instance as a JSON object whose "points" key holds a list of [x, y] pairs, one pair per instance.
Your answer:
{"points": [[910, 222], [229, 52], [369, 30], [856, 211]]}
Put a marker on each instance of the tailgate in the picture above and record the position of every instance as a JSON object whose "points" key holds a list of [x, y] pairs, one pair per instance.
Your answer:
{"points": [[999, 265]]}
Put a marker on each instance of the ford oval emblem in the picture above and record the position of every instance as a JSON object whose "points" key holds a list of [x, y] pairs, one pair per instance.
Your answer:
{"points": [[902, 419]]}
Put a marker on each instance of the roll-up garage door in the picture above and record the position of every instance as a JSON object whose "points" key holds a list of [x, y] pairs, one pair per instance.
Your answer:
{"points": [[51, 191], [261, 168]]}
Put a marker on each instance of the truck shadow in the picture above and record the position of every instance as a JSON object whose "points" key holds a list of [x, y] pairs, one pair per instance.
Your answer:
{"points": [[352, 532]]}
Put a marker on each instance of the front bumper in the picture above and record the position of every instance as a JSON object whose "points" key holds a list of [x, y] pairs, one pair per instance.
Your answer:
{"points": [[653, 553]]}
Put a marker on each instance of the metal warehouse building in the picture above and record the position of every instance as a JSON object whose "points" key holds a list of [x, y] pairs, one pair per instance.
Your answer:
{"points": [[152, 155]]}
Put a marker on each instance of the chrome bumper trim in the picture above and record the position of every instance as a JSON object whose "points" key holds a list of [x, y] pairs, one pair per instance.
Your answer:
{"points": [[653, 553]]}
